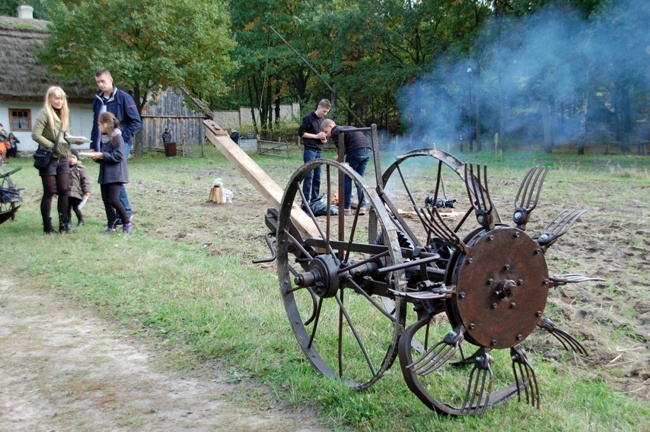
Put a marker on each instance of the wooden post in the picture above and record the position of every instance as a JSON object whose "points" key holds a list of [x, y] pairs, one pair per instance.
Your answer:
{"points": [[256, 175]]}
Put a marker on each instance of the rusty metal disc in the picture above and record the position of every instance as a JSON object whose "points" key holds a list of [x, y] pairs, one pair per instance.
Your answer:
{"points": [[501, 288]]}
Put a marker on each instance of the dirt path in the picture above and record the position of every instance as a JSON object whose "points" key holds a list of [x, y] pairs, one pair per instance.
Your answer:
{"points": [[64, 369]]}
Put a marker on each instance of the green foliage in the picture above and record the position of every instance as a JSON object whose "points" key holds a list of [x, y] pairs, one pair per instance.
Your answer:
{"points": [[147, 45]]}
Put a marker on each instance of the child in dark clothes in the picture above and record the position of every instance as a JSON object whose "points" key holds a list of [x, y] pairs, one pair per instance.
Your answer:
{"points": [[79, 187]]}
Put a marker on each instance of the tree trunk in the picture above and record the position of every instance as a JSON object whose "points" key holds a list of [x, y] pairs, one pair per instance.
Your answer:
{"points": [[547, 124], [252, 104], [477, 117], [277, 111], [583, 121]]}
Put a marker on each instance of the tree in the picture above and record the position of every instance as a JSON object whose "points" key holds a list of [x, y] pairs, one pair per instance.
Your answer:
{"points": [[148, 45], [270, 71]]}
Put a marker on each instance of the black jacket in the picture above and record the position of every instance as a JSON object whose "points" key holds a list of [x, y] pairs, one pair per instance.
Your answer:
{"points": [[311, 123], [112, 168], [353, 140]]}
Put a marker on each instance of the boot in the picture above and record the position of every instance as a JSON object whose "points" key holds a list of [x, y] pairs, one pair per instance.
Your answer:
{"points": [[47, 226], [64, 225]]}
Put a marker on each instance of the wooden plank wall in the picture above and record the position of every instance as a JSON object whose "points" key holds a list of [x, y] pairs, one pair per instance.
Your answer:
{"points": [[184, 123]]}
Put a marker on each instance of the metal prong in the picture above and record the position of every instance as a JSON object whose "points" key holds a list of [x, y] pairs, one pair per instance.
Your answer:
{"points": [[526, 199], [479, 196], [558, 226], [524, 376], [567, 341], [439, 354], [474, 402]]}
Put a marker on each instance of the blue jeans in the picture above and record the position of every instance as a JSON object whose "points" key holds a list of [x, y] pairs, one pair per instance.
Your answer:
{"points": [[311, 183], [124, 199], [357, 160]]}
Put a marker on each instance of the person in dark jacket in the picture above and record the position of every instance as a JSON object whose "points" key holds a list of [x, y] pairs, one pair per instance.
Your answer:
{"points": [[167, 136], [13, 141], [123, 107], [234, 135], [313, 139], [357, 155], [79, 187], [113, 172]]}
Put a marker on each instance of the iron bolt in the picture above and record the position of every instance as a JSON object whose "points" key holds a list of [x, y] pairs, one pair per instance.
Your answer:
{"points": [[538, 313], [494, 305], [462, 294], [520, 337], [538, 251], [493, 342], [470, 260], [506, 267], [512, 305], [480, 219], [490, 281], [517, 234], [472, 326], [490, 238], [520, 281]]}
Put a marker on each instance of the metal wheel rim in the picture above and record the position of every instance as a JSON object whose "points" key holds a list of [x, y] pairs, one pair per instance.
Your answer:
{"points": [[284, 275]]}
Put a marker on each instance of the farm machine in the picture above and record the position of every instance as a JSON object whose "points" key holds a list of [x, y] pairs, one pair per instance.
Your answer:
{"points": [[452, 294]]}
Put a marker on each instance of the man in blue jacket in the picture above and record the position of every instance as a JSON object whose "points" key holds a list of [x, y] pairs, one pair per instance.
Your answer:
{"points": [[121, 104]]}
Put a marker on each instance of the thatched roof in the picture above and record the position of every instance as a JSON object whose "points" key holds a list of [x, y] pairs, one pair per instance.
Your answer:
{"points": [[22, 77]]}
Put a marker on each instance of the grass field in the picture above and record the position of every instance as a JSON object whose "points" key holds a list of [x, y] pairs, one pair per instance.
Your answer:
{"points": [[185, 280]]}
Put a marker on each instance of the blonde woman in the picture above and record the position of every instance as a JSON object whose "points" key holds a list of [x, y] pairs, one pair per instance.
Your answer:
{"points": [[51, 126]]}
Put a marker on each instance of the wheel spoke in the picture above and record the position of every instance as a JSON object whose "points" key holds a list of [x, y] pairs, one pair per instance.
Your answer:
{"points": [[356, 335]]}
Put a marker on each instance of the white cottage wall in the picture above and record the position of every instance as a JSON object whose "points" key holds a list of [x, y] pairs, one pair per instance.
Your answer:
{"points": [[81, 122]]}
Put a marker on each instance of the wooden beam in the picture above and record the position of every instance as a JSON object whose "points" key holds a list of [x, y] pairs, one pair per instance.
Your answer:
{"points": [[257, 176]]}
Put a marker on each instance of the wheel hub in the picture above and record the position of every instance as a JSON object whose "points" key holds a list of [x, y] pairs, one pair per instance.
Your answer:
{"points": [[322, 276], [501, 288]]}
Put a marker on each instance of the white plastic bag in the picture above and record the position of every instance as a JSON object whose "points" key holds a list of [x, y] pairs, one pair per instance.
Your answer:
{"points": [[228, 195]]}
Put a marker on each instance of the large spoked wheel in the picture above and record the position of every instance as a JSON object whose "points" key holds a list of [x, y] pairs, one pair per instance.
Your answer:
{"points": [[443, 178], [332, 284]]}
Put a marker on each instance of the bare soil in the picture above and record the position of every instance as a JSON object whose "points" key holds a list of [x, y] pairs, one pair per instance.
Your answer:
{"points": [[64, 369]]}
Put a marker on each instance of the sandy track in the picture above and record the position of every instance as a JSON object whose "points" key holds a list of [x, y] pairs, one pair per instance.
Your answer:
{"points": [[64, 369]]}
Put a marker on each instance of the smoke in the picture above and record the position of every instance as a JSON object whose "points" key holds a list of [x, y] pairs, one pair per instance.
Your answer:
{"points": [[545, 76]]}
